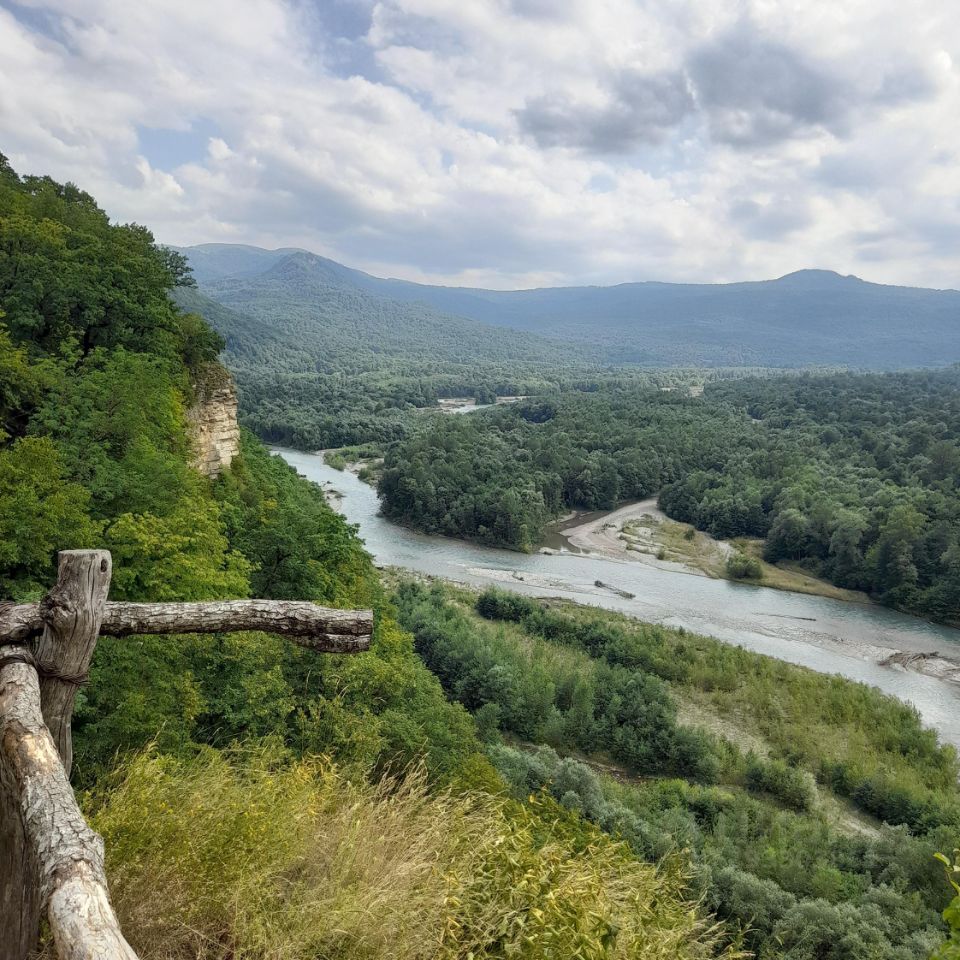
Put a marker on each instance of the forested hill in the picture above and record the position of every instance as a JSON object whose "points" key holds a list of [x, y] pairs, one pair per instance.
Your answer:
{"points": [[808, 317], [316, 318], [320, 362]]}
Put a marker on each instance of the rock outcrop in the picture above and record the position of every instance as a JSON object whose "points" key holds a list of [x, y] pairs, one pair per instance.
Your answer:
{"points": [[213, 420]]}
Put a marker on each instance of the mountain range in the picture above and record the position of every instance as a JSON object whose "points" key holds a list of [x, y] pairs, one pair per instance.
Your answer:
{"points": [[811, 317]]}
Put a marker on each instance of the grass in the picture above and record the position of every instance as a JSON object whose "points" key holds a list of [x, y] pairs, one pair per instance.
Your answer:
{"points": [[253, 855], [788, 576], [683, 543]]}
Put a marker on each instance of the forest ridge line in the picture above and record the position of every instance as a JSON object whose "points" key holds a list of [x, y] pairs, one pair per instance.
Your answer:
{"points": [[807, 318]]}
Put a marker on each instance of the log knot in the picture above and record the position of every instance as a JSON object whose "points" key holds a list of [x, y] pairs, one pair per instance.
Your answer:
{"points": [[57, 608], [49, 670], [78, 857]]}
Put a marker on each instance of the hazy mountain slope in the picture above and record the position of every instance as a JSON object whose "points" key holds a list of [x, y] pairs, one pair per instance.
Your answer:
{"points": [[304, 313], [213, 261], [809, 317]]}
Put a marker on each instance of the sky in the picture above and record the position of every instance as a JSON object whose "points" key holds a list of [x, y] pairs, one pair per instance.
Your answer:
{"points": [[508, 143]]}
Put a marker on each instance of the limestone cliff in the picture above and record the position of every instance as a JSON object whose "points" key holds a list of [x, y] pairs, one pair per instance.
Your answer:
{"points": [[213, 420]]}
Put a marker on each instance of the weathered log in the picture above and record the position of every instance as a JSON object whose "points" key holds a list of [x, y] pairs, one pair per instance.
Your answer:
{"points": [[320, 628], [72, 612], [323, 629], [19, 621], [19, 893], [67, 856], [70, 615]]}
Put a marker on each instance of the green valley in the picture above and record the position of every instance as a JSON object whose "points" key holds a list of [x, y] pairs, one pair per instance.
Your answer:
{"points": [[496, 777]]}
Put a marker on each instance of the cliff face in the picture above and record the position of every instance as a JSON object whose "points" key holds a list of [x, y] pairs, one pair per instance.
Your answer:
{"points": [[213, 420]]}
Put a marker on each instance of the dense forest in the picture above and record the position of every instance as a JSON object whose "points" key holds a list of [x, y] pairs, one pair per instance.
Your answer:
{"points": [[324, 357], [852, 475], [257, 800], [780, 800]]}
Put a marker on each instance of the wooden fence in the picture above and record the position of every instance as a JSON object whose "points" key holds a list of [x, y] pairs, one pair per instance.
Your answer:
{"points": [[51, 862]]}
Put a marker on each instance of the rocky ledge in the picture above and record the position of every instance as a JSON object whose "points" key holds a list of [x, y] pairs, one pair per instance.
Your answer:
{"points": [[213, 420]]}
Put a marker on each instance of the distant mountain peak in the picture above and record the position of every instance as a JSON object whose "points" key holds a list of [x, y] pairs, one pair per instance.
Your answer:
{"points": [[812, 277]]}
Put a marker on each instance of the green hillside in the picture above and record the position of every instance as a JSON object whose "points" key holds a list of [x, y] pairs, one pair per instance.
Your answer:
{"points": [[320, 363]]}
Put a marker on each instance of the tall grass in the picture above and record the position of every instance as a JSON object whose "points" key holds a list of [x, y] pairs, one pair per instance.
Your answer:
{"points": [[248, 856]]}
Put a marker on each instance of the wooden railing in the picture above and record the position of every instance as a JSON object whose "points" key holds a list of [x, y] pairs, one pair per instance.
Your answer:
{"points": [[51, 862]]}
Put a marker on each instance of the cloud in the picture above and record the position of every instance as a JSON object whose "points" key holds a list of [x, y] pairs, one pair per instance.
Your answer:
{"points": [[755, 90], [507, 142], [750, 90], [642, 108]]}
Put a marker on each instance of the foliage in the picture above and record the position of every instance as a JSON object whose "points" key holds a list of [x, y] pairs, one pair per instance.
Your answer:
{"points": [[566, 700], [257, 856], [866, 745], [40, 509], [951, 949], [767, 846], [742, 567], [852, 475], [788, 784]]}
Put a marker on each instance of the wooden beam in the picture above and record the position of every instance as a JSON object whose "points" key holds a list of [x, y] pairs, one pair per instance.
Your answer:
{"points": [[19, 622], [67, 856], [325, 629], [320, 628]]}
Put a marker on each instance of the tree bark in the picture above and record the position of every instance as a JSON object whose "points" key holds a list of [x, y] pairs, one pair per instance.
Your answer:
{"points": [[324, 629], [19, 893], [313, 626], [67, 873], [19, 621], [72, 612]]}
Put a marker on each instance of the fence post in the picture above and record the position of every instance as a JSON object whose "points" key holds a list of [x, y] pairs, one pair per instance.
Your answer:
{"points": [[49, 857], [72, 612], [19, 893]]}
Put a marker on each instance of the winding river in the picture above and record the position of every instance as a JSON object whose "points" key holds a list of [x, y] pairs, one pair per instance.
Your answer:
{"points": [[831, 636]]}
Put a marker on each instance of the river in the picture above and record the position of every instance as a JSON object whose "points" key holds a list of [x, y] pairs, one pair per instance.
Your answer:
{"points": [[831, 636]]}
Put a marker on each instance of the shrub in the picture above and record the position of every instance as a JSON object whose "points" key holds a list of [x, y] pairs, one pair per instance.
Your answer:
{"points": [[793, 787], [742, 567], [951, 949]]}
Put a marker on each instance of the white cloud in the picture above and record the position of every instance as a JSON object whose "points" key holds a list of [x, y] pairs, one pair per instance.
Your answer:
{"points": [[509, 142]]}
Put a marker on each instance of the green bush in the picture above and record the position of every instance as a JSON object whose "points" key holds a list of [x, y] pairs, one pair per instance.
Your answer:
{"points": [[741, 567], [791, 786], [951, 915]]}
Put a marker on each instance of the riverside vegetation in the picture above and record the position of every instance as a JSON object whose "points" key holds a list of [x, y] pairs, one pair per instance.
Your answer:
{"points": [[758, 788], [852, 476], [258, 801]]}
